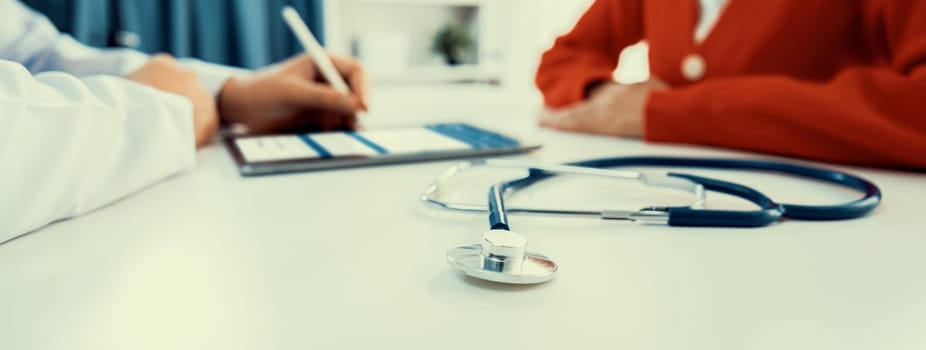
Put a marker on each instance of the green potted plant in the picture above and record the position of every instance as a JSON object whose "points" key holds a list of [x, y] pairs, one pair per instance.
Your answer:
{"points": [[453, 41]]}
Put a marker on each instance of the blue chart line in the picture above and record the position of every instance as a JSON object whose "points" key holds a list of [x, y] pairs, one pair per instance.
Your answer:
{"points": [[322, 152], [475, 137], [379, 149]]}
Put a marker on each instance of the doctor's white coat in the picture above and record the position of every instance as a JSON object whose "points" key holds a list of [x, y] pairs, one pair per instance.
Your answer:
{"points": [[74, 135]]}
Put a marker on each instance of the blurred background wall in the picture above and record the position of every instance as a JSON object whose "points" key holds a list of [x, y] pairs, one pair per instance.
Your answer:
{"points": [[498, 42], [245, 33]]}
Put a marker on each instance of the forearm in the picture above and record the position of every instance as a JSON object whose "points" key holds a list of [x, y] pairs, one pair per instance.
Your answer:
{"points": [[33, 41], [66, 55], [865, 116], [588, 54], [72, 145]]}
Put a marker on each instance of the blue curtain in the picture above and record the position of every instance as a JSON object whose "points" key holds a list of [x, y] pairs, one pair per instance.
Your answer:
{"points": [[245, 33]]}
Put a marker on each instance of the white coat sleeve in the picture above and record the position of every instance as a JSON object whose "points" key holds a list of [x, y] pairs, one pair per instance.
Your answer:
{"points": [[31, 39], [69, 145]]}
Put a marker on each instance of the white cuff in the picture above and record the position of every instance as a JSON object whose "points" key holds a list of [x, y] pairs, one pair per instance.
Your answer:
{"points": [[213, 75]]}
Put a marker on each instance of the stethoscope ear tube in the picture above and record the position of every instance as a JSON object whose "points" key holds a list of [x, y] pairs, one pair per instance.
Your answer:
{"points": [[769, 213], [853, 209], [850, 210]]}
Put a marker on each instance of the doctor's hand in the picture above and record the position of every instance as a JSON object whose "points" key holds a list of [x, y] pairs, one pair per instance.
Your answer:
{"points": [[163, 73], [293, 96], [611, 109]]}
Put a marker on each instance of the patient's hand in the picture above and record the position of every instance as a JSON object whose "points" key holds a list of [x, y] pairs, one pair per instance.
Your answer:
{"points": [[163, 73], [293, 95], [612, 109]]}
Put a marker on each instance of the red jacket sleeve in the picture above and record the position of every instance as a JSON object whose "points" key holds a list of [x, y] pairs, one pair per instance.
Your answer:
{"points": [[589, 53], [865, 115]]}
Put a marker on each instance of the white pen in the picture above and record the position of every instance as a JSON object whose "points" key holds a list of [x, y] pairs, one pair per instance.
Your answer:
{"points": [[311, 45]]}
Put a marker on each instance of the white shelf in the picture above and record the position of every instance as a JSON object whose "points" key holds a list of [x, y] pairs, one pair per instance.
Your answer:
{"points": [[417, 2], [440, 74], [409, 25]]}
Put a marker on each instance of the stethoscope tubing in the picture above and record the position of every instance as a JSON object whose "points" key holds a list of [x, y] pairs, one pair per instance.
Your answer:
{"points": [[769, 212], [502, 256], [849, 210]]}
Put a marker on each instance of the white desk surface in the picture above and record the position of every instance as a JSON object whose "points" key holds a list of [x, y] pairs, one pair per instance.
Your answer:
{"points": [[350, 259]]}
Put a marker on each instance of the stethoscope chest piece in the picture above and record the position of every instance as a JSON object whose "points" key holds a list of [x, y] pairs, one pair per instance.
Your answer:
{"points": [[502, 257]]}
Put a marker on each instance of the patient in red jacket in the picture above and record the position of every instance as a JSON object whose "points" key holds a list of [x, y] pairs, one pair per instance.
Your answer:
{"points": [[831, 80]]}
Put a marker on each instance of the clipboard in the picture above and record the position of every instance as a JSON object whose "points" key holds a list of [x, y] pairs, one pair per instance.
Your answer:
{"points": [[289, 153]]}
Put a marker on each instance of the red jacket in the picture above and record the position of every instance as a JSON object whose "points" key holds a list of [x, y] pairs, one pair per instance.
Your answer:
{"points": [[834, 80]]}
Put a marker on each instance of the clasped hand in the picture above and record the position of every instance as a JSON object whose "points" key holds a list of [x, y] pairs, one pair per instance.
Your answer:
{"points": [[611, 109]]}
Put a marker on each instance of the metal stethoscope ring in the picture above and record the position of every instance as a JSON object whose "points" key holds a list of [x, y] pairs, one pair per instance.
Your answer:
{"points": [[502, 255]]}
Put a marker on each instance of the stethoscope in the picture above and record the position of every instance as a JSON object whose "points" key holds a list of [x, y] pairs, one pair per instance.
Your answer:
{"points": [[502, 255]]}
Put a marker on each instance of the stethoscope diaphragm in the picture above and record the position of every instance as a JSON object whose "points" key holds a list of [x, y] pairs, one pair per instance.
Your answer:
{"points": [[502, 257]]}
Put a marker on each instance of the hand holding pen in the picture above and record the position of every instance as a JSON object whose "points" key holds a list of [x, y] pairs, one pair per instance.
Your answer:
{"points": [[304, 93]]}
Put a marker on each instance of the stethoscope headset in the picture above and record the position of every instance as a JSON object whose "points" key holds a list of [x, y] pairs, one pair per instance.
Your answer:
{"points": [[502, 255]]}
